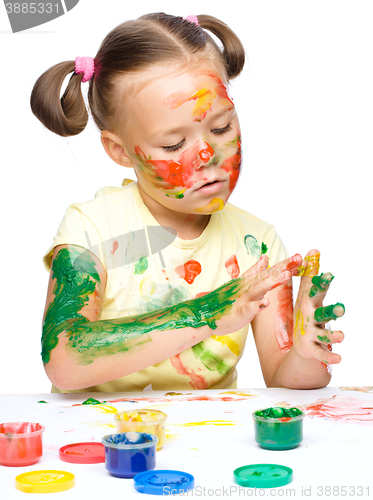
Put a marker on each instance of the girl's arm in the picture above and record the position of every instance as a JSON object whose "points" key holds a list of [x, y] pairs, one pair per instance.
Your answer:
{"points": [[294, 349], [80, 350]]}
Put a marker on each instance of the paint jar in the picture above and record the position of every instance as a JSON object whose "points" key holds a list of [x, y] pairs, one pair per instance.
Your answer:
{"points": [[278, 428], [129, 453], [20, 443], [149, 421]]}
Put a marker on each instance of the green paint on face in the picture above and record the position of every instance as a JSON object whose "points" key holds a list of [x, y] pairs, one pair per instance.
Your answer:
{"points": [[76, 280], [178, 196], [278, 412], [141, 265], [264, 248], [320, 284], [211, 361], [323, 339], [325, 314]]}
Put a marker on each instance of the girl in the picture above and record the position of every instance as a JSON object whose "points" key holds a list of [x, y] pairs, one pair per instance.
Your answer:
{"points": [[157, 282]]}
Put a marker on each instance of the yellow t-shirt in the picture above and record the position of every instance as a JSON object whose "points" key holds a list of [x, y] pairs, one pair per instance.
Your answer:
{"points": [[149, 268]]}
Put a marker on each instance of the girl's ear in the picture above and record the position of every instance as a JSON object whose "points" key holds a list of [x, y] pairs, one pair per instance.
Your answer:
{"points": [[115, 148]]}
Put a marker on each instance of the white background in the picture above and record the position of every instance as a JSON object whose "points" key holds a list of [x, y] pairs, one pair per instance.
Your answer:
{"points": [[305, 102]]}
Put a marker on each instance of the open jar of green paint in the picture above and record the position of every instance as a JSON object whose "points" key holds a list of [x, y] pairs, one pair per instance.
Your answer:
{"points": [[278, 428]]}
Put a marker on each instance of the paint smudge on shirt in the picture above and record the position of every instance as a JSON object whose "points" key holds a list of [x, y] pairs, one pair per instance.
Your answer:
{"points": [[197, 381], [141, 265], [232, 267], [252, 246], [227, 340], [210, 360], [189, 271]]}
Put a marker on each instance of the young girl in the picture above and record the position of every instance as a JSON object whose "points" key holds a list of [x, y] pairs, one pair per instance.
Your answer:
{"points": [[157, 282]]}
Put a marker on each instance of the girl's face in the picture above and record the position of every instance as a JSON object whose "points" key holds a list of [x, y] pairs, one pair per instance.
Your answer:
{"points": [[182, 137]]}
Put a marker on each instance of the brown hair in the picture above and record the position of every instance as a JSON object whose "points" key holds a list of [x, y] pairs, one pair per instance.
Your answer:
{"points": [[131, 47]]}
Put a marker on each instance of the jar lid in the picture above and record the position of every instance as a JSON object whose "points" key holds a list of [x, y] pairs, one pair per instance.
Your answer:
{"points": [[83, 453], [263, 475], [45, 481], [163, 482]]}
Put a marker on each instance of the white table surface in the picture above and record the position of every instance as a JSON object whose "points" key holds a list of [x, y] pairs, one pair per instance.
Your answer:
{"points": [[333, 461]]}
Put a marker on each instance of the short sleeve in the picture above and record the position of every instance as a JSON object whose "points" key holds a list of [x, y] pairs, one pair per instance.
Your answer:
{"points": [[76, 229], [276, 250]]}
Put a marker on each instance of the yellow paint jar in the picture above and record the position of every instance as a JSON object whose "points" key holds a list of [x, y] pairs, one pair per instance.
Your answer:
{"points": [[148, 421]]}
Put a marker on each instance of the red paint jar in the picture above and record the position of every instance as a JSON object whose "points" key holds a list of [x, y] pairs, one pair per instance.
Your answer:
{"points": [[20, 443]]}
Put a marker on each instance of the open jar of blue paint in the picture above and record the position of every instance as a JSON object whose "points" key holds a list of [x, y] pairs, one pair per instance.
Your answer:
{"points": [[278, 428], [129, 453]]}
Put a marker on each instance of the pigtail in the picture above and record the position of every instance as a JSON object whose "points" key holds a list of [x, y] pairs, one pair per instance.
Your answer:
{"points": [[234, 53], [64, 116]]}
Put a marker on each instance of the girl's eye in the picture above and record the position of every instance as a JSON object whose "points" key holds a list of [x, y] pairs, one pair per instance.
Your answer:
{"points": [[220, 131], [171, 149]]}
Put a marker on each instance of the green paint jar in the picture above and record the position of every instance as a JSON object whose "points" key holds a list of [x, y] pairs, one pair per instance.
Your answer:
{"points": [[278, 428]]}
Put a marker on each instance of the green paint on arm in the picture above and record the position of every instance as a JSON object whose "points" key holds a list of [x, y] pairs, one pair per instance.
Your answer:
{"points": [[76, 279], [323, 339], [141, 265], [320, 283], [325, 314]]}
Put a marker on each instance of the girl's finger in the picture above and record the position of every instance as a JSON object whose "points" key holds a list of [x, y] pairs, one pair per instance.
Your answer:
{"points": [[312, 266], [320, 286], [330, 337], [323, 354], [327, 313], [260, 288], [254, 270]]}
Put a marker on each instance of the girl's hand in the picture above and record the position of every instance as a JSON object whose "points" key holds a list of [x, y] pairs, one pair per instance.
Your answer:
{"points": [[311, 339], [255, 283]]}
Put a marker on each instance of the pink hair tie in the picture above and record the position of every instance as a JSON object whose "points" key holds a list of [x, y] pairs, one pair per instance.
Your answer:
{"points": [[192, 19], [85, 65]]}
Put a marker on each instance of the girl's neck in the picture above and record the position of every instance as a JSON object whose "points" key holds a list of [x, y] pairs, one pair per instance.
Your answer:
{"points": [[188, 227]]}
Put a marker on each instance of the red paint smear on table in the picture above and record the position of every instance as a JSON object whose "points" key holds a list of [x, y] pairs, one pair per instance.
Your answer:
{"points": [[197, 381], [189, 271], [232, 267], [345, 409], [284, 318], [167, 400]]}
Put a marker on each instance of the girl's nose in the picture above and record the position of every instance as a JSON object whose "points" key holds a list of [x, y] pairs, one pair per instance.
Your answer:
{"points": [[206, 153]]}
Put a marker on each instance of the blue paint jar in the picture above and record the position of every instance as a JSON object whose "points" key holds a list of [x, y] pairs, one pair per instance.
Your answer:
{"points": [[129, 453]]}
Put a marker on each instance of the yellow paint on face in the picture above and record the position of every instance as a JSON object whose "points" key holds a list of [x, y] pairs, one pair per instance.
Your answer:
{"points": [[299, 323], [313, 266], [214, 205], [229, 342]]}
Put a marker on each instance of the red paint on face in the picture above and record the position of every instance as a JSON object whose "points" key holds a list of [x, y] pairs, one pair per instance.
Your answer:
{"points": [[284, 318], [168, 174], [197, 381], [207, 153], [232, 165], [189, 271], [232, 267]]}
